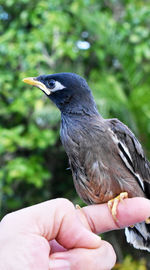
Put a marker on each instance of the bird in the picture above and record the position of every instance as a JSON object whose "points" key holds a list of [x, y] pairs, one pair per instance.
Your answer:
{"points": [[107, 161]]}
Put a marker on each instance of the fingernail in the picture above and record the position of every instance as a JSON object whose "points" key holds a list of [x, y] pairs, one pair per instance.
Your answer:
{"points": [[59, 265]]}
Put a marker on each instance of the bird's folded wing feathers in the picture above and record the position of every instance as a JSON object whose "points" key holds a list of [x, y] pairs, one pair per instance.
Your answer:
{"points": [[131, 152]]}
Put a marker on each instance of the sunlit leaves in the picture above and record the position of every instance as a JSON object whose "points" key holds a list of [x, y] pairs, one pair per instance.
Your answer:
{"points": [[28, 170], [131, 264]]}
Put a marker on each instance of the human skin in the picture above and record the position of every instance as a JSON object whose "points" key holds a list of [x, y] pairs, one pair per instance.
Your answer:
{"points": [[56, 235]]}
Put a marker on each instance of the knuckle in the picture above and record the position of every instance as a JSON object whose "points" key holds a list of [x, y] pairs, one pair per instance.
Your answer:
{"points": [[6, 219], [65, 203]]}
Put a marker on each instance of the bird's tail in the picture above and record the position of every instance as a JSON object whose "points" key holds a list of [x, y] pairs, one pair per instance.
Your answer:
{"points": [[139, 236]]}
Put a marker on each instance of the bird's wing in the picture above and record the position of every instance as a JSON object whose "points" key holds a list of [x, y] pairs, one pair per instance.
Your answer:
{"points": [[131, 152]]}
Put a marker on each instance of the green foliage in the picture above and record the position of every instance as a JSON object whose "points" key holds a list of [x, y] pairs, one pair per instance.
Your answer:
{"points": [[107, 42], [130, 264]]}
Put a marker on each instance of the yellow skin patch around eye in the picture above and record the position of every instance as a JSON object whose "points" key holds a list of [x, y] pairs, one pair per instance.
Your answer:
{"points": [[34, 82]]}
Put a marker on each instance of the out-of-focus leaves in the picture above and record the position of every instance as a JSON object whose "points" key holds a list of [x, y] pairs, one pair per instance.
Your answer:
{"points": [[130, 264], [107, 42], [29, 170]]}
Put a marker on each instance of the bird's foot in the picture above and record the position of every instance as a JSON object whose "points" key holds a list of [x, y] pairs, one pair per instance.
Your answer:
{"points": [[147, 221], [83, 217], [113, 204], [78, 206]]}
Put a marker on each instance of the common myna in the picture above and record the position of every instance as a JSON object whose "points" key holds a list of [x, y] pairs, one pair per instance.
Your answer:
{"points": [[105, 157]]}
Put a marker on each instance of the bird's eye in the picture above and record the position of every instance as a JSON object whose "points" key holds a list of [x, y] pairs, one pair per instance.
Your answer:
{"points": [[51, 84]]}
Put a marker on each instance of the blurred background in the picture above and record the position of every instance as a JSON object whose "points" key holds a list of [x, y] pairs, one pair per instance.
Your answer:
{"points": [[107, 42]]}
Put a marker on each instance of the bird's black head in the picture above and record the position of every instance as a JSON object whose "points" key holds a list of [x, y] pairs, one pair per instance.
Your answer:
{"points": [[68, 91]]}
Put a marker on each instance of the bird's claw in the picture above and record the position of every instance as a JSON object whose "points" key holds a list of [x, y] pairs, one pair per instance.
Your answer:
{"points": [[147, 221], [77, 206], [83, 217], [113, 204]]}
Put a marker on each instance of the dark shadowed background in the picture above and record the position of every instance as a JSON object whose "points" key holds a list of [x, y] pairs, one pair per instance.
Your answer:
{"points": [[107, 42]]}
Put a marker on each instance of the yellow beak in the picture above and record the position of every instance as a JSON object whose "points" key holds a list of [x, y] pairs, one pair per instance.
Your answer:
{"points": [[33, 81]]}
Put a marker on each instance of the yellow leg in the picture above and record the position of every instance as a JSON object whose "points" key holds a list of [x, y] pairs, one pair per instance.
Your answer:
{"points": [[113, 204]]}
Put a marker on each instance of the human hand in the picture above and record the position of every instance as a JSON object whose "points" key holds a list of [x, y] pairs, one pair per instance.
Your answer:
{"points": [[54, 235]]}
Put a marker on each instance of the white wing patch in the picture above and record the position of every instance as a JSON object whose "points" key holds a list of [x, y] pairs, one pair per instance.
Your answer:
{"points": [[126, 157], [137, 239], [140, 180]]}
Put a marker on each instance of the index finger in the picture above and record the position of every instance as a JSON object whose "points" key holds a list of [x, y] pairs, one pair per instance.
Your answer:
{"points": [[129, 212], [54, 219]]}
